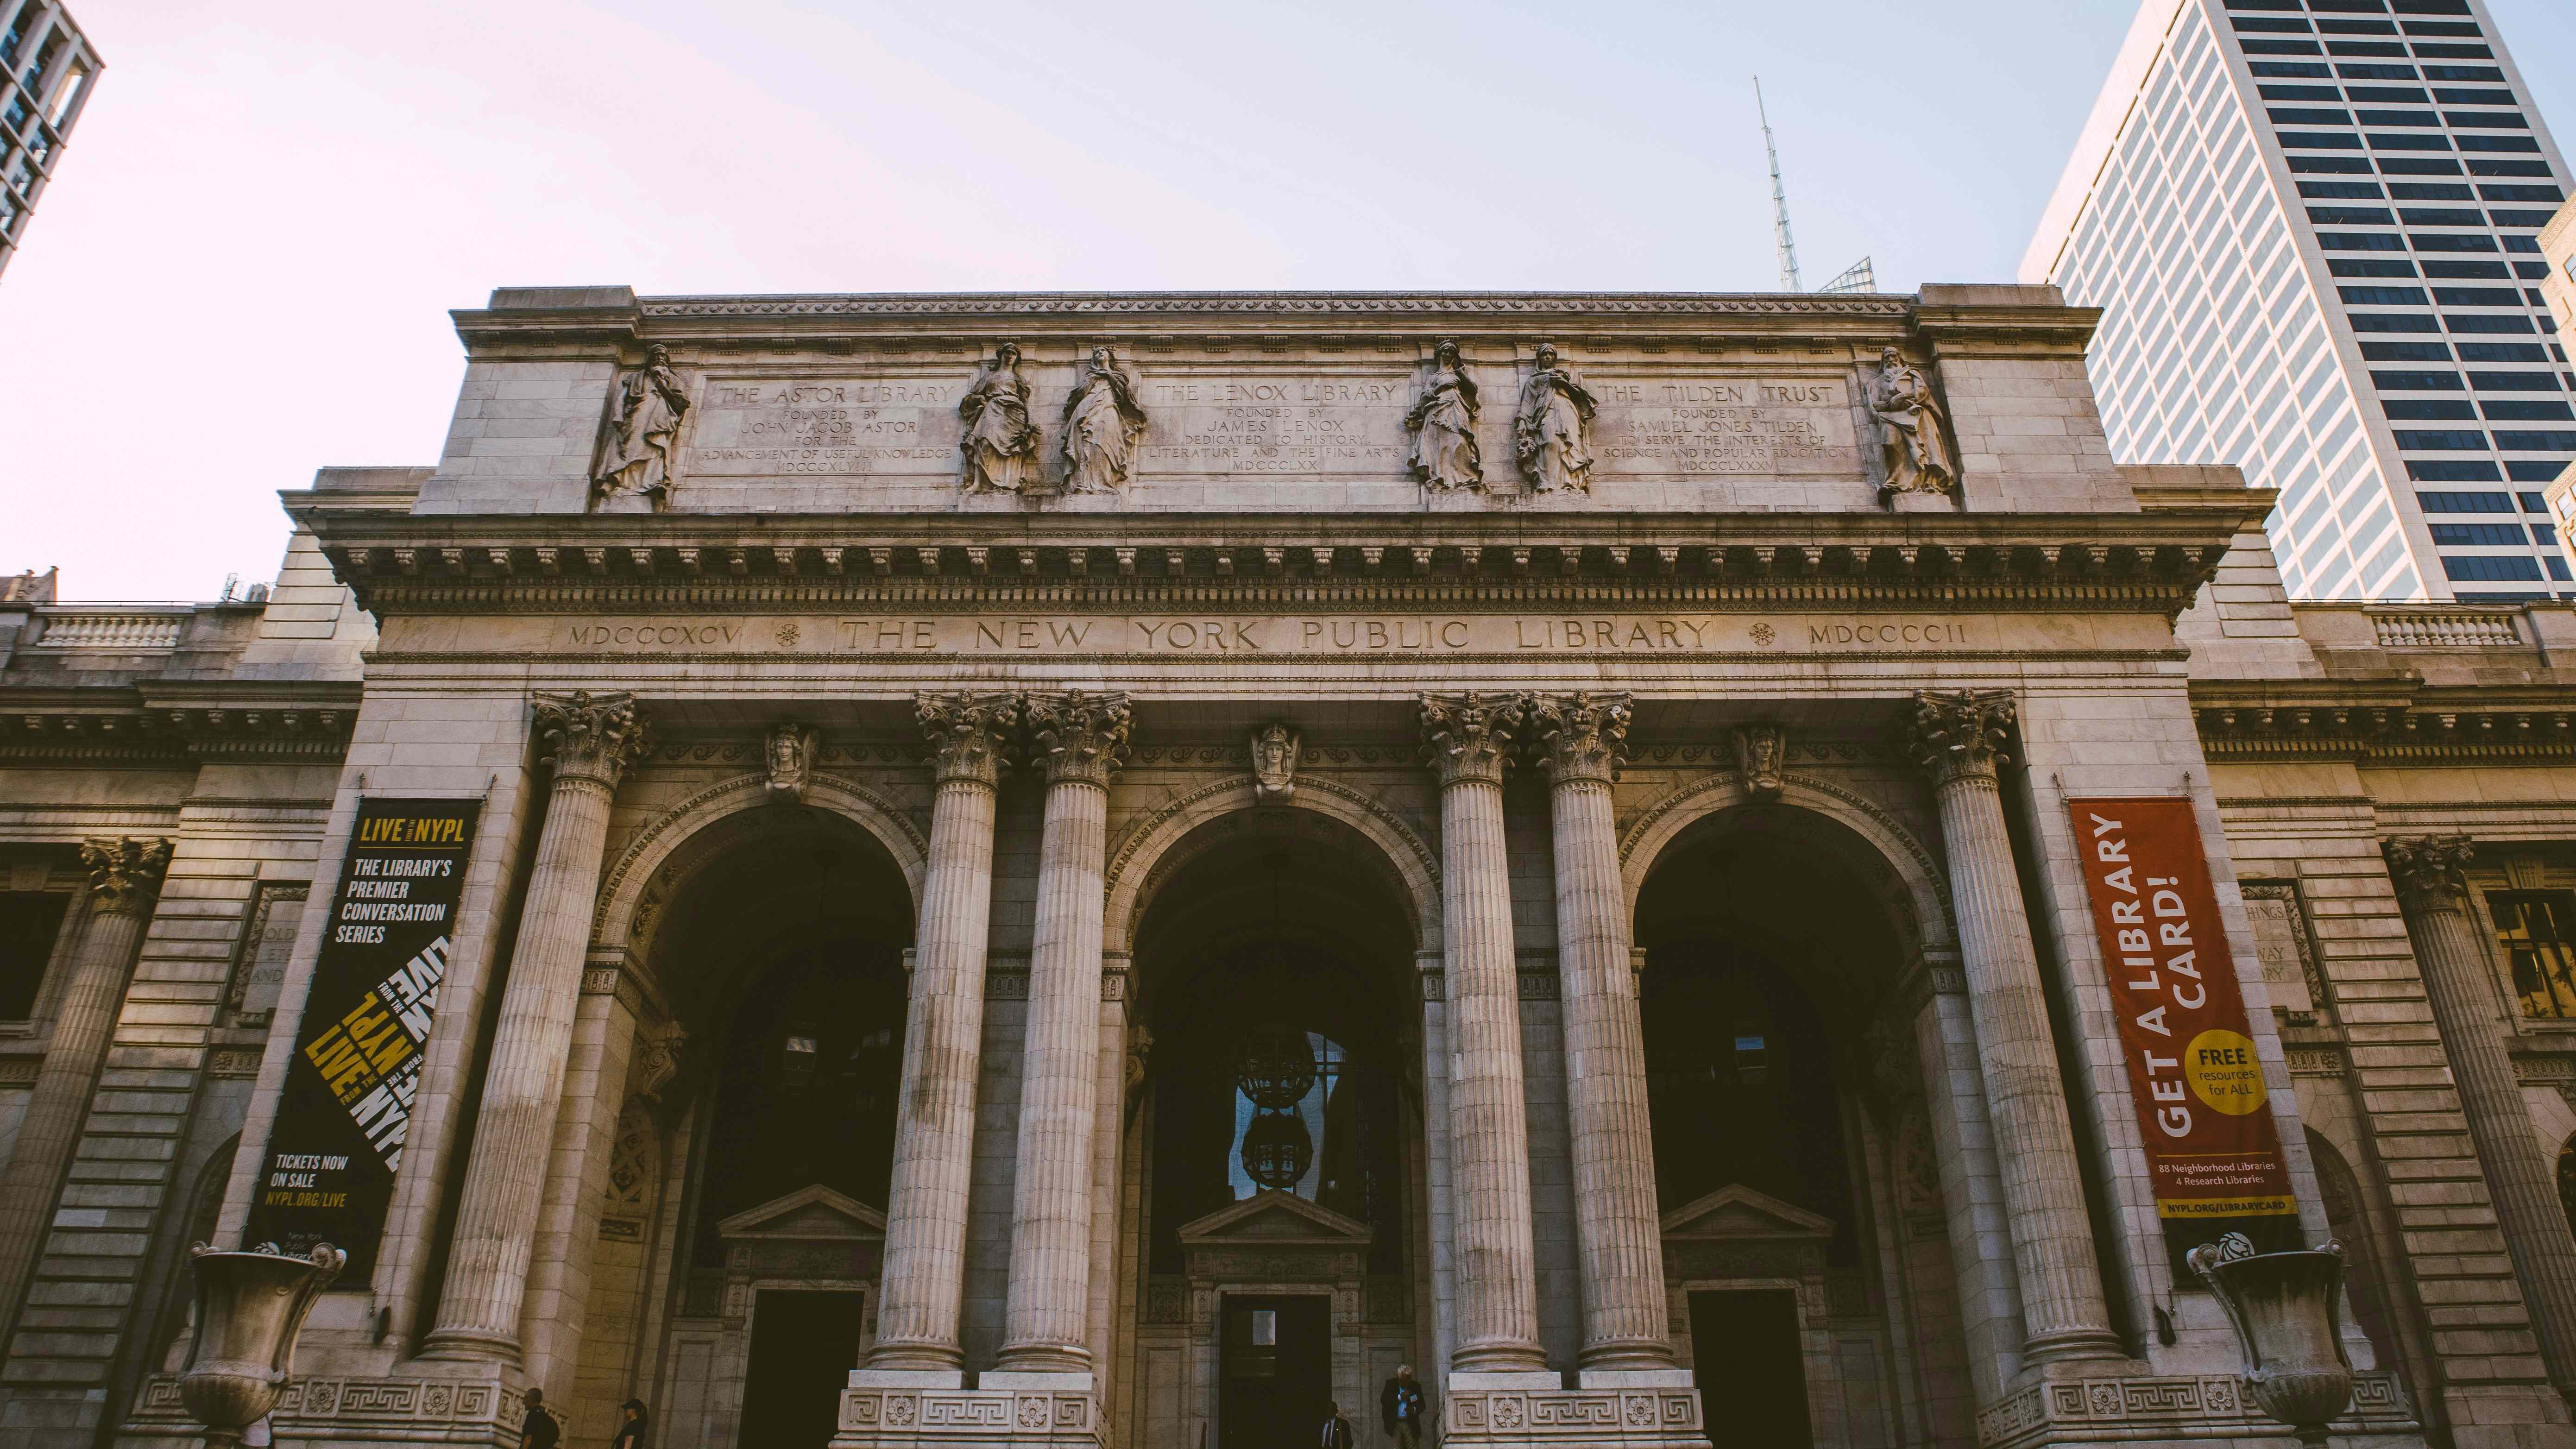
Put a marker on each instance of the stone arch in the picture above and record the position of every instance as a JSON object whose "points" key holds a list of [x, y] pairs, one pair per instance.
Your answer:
{"points": [[1920, 898], [622, 888], [1146, 855]]}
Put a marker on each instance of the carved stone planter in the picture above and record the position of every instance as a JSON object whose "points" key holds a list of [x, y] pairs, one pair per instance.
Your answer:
{"points": [[250, 1307], [2284, 1306]]}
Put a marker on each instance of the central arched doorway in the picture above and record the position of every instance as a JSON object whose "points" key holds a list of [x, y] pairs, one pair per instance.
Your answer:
{"points": [[1804, 1248], [777, 936], [1278, 1135]]}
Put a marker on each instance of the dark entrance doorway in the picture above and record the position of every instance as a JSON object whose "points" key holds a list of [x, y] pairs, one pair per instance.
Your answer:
{"points": [[803, 1346], [1745, 1355], [1275, 1363]]}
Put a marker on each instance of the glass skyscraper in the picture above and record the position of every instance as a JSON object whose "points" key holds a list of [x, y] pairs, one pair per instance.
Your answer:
{"points": [[45, 71], [2313, 228]]}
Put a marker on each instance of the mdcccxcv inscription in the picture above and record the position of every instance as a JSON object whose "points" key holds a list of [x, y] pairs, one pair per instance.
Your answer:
{"points": [[1558, 634]]}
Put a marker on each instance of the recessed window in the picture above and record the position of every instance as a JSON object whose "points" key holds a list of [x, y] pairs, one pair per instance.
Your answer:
{"points": [[2532, 928], [29, 922]]}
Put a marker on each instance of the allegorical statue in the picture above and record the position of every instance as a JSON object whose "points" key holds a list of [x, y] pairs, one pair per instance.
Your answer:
{"points": [[1552, 432], [642, 433], [1443, 421], [1275, 748], [1917, 452], [1102, 421], [1000, 446]]}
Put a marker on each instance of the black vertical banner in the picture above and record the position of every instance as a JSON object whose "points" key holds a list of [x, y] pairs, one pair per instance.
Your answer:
{"points": [[346, 1107]]}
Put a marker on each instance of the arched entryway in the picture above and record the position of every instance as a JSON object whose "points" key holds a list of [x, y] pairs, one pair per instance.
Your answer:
{"points": [[1276, 1141], [1802, 1231], [739, 1254]]}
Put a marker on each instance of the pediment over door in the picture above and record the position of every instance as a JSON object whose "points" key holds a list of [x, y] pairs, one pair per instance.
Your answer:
{"points": [[812, 1233], [1276, 1236], [1737, 1232]]}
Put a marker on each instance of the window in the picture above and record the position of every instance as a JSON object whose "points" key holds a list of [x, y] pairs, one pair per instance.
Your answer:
{"points": [[2487, 322], [2506, 191], [2529, 472], [2453, 470], [2514, 381], [2465, 502], [2309, 116], [2443, 216], [2467, 271], [2320, 140], [2522, 244], [2356, 27], [2534, 220], [2465, 73], [2274, 24], [2429, 191], [2532, 502], [2414, 441], [2490, 568], [2353, 216], [2447, 242], [2360, 71], [2407, 352], [2385, 93], [2279, 47], [2420, 409], [2502, 352], [2530, 411], [2430, 51], [2364, 47], [29, 922], [2299, 93], [2389, 321], [2458, 96], [2499, 143], [2478, 535], [2508, 168], [2418, 166], [2370, 266], [2477, 297], [2532, 927], [2415, 381], [2348, 190], [2288, 68], [2545, 442], [2399, 118], [2328, 165], [2488, 120]]}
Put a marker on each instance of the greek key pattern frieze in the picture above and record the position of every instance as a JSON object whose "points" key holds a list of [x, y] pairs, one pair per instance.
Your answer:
{"points": [[419, 1409], [2122, 1408], [980, 1415], [1573, 1416]]}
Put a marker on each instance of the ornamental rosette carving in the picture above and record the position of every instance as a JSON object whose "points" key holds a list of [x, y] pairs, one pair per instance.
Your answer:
{"points": [[2427, 870], [970, 734], [590, 736], [1962, 733], [1468, 736], [124, 874], [1078, 736], [1579, 736]]}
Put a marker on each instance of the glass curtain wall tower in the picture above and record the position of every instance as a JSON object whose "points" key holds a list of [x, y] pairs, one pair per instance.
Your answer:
{"points": [[46, 67], [2313, 228]]}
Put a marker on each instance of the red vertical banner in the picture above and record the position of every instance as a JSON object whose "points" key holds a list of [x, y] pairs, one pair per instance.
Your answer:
{"points": [[2213, 1150]]}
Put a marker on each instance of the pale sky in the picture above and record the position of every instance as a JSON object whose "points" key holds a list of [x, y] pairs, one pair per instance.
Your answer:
{"points": [[243, 270]]}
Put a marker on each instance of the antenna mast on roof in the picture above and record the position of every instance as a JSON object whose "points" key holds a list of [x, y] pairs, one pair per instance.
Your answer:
{"points": [[1779, 201]]}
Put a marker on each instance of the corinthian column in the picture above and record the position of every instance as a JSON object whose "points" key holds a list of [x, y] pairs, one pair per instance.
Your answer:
{"points": [[1959, 739], [934, 1147], [1079, 740], [124, 879], [1467, 740], [588, 741], [2459, 979], [1581, 741]]}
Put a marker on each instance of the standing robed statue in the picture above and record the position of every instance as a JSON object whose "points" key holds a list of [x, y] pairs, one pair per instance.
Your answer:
{"points": [[1102, 423], [1000, 443], [1552, 433], [1917, 455], [642, 433], [1443, 422]]}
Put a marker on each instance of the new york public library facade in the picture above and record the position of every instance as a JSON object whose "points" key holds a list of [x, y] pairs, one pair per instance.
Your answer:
{"points": [[1099, 870]]}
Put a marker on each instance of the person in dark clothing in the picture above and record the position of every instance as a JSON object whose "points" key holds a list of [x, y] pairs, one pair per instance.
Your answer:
{"points": [[1337, 1430], [538, 1430], [1400, 1406], [630, 1429]]}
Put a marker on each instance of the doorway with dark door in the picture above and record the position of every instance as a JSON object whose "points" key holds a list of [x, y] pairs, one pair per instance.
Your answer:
{"points": [[803, 1346], [1275, 1371], [1746, 1355]]}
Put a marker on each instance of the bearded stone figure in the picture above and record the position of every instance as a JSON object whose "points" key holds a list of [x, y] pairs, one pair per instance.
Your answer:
{"points": [[1443, 423], [1552, 433], [642, 433], [1000, 444], [1917, 452], [1102, 423], [1275, 748]]}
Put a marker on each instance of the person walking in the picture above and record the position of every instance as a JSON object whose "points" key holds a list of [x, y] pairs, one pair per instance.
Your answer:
{"points": [[1337, 1430], [538, 1429], [630, 1428], [1400, 1406]]}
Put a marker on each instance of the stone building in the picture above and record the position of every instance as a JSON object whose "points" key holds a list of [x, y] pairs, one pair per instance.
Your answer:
{"points": [[1087, 870]]}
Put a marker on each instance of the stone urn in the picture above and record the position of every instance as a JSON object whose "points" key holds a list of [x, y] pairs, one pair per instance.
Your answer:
{"points": [[2286, 1310], [250, 1307]]}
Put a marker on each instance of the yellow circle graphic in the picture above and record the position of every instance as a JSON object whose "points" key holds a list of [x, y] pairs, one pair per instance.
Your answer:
{"points": [[2222, 1071]]}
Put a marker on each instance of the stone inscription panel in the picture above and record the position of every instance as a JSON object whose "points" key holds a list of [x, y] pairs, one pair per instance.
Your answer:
{"points": [[1563, 635], [1345, 426]]}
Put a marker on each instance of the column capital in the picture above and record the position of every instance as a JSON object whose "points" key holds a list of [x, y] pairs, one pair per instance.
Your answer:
{"points": [[970, 734], [1468, 737], [591, 736], [1579, 736], [2426, 869], [124, 874], [1076, 736], [1955, 734]]}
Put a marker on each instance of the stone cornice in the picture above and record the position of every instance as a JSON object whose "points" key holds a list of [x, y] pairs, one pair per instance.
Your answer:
{"points": [[236, 721], [2140, 562], [2384, 722]]}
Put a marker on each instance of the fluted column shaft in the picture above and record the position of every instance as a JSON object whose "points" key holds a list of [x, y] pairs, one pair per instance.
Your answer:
{"points": [[2459, 980], [124, 881], [934, 1150], [1618, 1232], [1468, 739], [1958, 738], [588, 741], [1078, 741]]}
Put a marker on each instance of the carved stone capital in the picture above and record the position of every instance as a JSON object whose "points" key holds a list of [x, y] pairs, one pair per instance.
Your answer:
{"points": [[1077, 736], [124, 874], [1954, 735], [1579, 736], [1762, 754], [789, 755], [2426, 869], [1468, 736], [969, 734], [590, 736]]}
